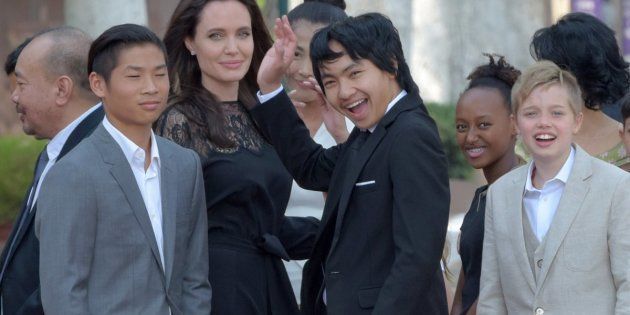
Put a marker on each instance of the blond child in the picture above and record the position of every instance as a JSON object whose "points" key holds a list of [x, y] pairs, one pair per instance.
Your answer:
{"points": [[556, 238]]}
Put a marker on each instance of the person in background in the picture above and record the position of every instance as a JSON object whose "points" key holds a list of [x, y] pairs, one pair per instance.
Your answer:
{"points": [[624, 133], [325, 125], [122, 223], [215, 48], [486, 135], [585, 46], [53, 101], [11, 61], [556, 230]]}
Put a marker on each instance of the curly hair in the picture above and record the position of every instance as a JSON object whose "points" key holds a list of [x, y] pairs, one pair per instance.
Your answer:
{"points": [[625, 108], [497, 74], [582, 44]]}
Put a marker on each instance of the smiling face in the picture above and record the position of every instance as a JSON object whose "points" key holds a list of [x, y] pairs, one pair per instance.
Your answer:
{"points": [[301, 68], [358, 89], [34, 96], [547, 124], [137, 90], [223, 44], [485, 133]]}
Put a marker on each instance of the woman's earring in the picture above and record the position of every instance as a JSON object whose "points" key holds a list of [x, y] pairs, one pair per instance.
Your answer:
{"points": [[192, 53]]}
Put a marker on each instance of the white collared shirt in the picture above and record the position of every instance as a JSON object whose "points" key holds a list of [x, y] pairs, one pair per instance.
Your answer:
{"points": [[55, 146], [541, 204], [389, 106], [148, 181], [262, 98]]}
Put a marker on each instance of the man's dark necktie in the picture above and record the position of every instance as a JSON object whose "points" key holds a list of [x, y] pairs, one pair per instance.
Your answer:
{"points": [[360, 140], [39, 169]]}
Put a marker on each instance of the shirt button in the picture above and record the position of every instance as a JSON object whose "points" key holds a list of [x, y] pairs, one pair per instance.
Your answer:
{"points": [[539, 263], [540, 311]]}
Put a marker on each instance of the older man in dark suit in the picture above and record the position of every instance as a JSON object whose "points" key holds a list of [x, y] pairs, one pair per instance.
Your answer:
{"points": [[54, 101], [384, 223]]}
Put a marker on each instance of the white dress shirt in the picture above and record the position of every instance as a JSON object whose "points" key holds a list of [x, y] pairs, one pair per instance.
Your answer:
{"points": [[389, 106], [56, 144], [541, 204], [148, 181]]}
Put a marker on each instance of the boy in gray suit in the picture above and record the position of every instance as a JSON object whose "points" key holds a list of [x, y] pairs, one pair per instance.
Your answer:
{"points": [[122, 222]]}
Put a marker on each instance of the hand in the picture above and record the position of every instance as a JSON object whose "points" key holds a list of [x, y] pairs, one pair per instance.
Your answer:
{"points": [[297, 98], [334, 121], [278, 57]]}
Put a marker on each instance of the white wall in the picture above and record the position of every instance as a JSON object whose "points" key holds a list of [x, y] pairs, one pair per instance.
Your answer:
{"points": [[95, 16]]}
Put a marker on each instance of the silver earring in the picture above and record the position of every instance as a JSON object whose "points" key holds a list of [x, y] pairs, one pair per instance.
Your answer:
{"points": [[192, 53]]}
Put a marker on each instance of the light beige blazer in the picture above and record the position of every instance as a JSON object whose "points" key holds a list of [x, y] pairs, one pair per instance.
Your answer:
{"points": [[586, 261]]}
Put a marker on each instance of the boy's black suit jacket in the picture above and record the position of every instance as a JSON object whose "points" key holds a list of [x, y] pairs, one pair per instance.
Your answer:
{"points": [[382, 233]]}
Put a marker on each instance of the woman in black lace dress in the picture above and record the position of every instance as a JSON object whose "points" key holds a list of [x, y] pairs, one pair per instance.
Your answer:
{"points": [[486, 136], [215, 48]]}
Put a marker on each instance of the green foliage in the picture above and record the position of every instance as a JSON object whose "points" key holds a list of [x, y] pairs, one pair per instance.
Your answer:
{"points": [[17, 160], [444, 116]]}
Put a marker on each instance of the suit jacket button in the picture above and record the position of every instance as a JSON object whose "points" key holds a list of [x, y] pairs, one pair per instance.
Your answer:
{"points": [[539, 263], [540, 311]]}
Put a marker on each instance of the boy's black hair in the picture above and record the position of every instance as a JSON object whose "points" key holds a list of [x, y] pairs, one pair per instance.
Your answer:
{"points": [[9, 64], [104, 52], [624, 102], [318, 12], [370, 36]]}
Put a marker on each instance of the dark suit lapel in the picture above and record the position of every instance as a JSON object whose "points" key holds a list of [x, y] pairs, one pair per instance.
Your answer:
{"points": [[30, 215], [83, 129], [353, 171], [353, 168], [122, 173], [7, 252], [168, 189], [515, 216], [570, 204]]}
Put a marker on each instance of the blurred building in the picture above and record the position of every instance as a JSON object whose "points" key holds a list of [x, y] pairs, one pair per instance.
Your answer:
{"points": [[443, 39], [21, 19]]}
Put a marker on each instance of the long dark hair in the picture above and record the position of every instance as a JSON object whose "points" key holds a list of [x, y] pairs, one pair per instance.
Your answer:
{"points": [[187, 92], [583, 45]]}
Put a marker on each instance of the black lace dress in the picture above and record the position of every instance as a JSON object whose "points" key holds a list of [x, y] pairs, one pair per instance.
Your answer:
{"points": [[247, 190]]}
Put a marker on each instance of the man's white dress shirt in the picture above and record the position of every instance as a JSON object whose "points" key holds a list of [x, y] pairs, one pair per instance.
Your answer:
{"points": [[148, 181], [53, 148]]}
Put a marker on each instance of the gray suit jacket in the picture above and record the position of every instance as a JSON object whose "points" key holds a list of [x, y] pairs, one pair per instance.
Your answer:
{"points": [[98, 253], [586, 262]]}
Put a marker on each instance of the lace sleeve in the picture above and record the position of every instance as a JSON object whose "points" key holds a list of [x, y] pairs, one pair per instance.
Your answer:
{"points": [[174, 126]]}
